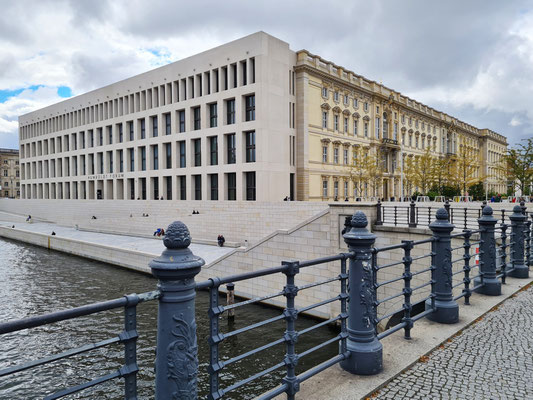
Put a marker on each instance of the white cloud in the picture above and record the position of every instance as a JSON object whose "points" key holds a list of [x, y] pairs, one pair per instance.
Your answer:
{"points": [[515, 121]]}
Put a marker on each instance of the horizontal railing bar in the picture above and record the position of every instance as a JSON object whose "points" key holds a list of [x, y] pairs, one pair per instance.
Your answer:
{"points": [[477, 287], [421, 271], [323, 260], [310, 285], [423, 241], [461, 271], [387, 248], [390, 331], [39, 320], [321, 367], [422, 256], [273, 393], [421, 286], [321, 303], [251, 352], [458, 259], [380, 284], [389, 314], [250, 379], [458, 284], [388, 265], [74, 389], [253, 326], [239, 277], [55, 357], [422, 314], [323, 344], [319, 325], [389, 298], [476, 242], [251, 301], [459, 247], [463, 294]]}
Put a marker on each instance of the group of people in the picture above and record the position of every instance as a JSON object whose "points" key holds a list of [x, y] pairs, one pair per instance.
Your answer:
{"points": [[159, 232]]}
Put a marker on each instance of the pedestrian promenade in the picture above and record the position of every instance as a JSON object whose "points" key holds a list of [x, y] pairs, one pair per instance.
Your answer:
{"points": [[153, 246], [491, 359]]}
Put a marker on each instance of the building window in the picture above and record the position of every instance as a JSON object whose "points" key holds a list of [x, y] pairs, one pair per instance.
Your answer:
{"points": [[168, 129], [336, 155], [250, 185], [355, 127], [365, 106], [213, 115], [345, 188], [183, 158], [230, 111], [132, 160], [196, 118], [130, 125], [168, 152], [336, 96], [121, 161], [250, 107], [410, 140], [355, 103], [366, 129], [325, 92], [336, 189], [250, 146], [324, 154], [213, 178], [155, 152], [154, 126], [416, 142], [232, 186], [325, 120], [345, 125], [395, 133], [120, 133], [345, 156], [168, 180], [336, 122], [181, 117], [143, 128], [377, 128], [324, 188], [231, 145], [213, 150], [183, 187], [109, 135], [197, 152], [143, 158], [197, 187], [346, 99]]}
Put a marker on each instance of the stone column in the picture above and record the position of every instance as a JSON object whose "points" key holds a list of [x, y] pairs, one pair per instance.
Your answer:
{"points": [[176, 363]]}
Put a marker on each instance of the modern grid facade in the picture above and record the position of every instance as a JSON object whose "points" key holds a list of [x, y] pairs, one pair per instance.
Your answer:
{"points": [[248, 120]]}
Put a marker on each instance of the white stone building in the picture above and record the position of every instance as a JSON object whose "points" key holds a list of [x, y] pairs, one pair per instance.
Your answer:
{"points": [[215, 126]]}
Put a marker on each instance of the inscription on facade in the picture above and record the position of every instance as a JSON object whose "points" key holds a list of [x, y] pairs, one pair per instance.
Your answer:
{"points": [[105, 176]]}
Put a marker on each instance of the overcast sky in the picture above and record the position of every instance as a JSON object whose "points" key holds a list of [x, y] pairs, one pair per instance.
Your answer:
{"points": [[471, 59]]}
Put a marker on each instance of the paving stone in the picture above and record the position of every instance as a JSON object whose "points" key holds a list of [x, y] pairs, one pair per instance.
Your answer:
{"points": [[491, 359]]}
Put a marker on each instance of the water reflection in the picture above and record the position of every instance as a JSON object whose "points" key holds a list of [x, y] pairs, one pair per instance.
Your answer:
{"points": [[34, 281]]}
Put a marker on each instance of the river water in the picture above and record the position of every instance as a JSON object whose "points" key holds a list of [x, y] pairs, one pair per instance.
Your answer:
{"points": [[35, 281]]}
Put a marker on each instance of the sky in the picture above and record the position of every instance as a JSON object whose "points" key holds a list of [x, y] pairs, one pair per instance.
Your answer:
{"points": [[471, 59]]}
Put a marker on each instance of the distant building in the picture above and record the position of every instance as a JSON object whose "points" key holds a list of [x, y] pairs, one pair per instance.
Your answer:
{"points": [[248, 120], [9, 173]]}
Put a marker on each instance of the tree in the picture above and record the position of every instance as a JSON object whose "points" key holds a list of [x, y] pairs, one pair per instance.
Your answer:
{"points": [[365, 169], [518, 166], [464, 168], [420, 171], [441, 174]]}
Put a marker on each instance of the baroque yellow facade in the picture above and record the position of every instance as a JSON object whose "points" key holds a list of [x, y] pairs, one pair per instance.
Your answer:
{"points": [[344, 119], [9, 173]]}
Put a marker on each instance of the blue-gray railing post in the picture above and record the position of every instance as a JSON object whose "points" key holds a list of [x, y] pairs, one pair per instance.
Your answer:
{"points": [[291, 335], [447, 208], [528, 242], [446, 308], [503, 249], [379, 216], [176, 363], [129, 337], [491, 285], [519, 269], [366, 352], [412, 214], [523, 207]]}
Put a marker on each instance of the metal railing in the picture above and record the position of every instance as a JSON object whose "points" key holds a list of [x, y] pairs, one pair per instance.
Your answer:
{"points": [[128, 337], [414, 215], [425, 280]]}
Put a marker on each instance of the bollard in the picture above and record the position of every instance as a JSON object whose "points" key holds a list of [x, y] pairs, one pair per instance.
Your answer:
{"points": [[176, 363], [379, 218], [520, 270], [412, 215], [487, 256], [366, 352], [447, 309], [230, 299], [523, 207]]}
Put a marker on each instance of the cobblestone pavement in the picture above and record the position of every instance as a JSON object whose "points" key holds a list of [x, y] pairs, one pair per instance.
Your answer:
{"points": [[492, 359]]}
